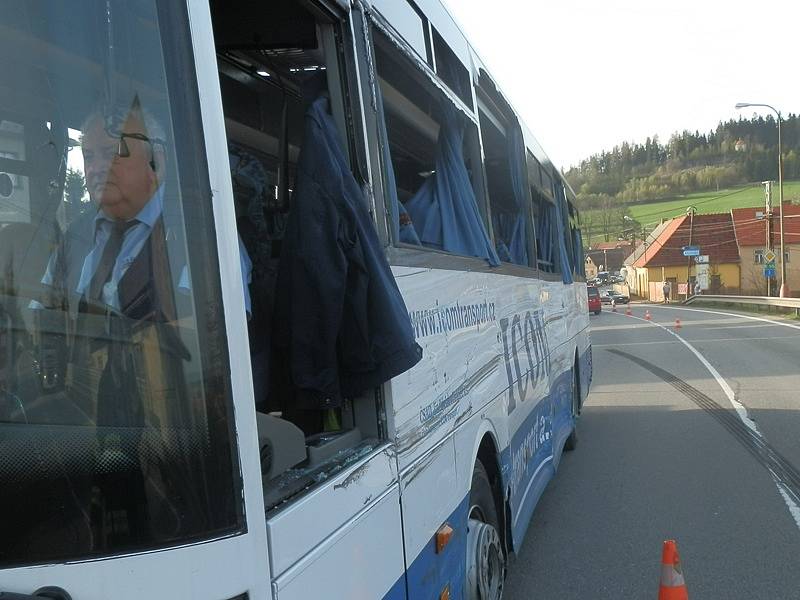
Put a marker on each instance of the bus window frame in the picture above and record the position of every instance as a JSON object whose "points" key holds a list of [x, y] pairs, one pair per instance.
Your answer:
{"points": [[494, 111], [403, 254], [341, 40]]}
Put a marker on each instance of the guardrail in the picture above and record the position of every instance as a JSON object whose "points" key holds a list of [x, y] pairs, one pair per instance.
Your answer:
{"points": [[756, 300]]}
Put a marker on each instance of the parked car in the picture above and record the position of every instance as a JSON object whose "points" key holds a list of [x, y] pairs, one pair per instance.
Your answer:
{"points": [[607, 296], [595, 305]]}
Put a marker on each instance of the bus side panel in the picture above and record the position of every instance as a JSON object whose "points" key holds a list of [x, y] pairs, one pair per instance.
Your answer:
{"points": [[585, 362], [539, 431], [455, 315], [433, 496], [561, 398], [360, 560], [578, 307], [436, 492]]}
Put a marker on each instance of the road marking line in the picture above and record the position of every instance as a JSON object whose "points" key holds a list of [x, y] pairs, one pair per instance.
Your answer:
{"points": [[751, 339], [729, 314], [794, 509]]}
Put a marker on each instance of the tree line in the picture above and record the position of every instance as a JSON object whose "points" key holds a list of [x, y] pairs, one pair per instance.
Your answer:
{"points": [[736, 152]]}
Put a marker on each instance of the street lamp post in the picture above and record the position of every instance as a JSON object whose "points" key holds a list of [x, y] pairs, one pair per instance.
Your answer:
{"points": [[784, 292], [690, 210]]}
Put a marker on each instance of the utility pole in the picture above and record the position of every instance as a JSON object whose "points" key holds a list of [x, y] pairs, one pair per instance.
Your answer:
{"points": [[689, 211], [770, 242], [784, 290]]}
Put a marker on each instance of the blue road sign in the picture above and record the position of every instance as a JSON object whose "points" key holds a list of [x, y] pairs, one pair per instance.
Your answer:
{"points": [[769, 272], [691, 250]]}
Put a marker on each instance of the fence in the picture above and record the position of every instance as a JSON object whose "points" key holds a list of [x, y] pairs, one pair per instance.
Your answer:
{"points": [[750, 300]]}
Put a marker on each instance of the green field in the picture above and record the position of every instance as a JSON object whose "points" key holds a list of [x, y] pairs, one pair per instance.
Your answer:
{"points": [[711, 202]]}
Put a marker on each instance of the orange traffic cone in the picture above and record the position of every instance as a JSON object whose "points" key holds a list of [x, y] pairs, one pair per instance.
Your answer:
{"points": [[628, 311], [673, 586], [613, 308], [647, 314], [677, 323]]}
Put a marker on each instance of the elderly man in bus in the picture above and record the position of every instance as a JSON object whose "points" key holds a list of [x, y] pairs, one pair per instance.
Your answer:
{"points": [[120, 285], [123, 259]]}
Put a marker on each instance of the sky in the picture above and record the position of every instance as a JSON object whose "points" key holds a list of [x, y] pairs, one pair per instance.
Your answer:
{"points": [[586, 75]]}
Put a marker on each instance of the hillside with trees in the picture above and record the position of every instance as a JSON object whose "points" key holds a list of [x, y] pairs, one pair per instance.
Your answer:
{"points": [[735, 153]]}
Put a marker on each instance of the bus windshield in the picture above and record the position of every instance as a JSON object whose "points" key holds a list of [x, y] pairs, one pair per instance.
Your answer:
{"points": [[115, 408]]}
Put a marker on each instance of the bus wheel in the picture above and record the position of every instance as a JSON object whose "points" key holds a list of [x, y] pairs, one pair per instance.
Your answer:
{"points": [[486, 561], [572, 440]]}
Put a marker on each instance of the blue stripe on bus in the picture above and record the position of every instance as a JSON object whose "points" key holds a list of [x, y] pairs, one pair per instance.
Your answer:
{"points": [[429, 573], [528, 463], [398, 591], [585, 365]]}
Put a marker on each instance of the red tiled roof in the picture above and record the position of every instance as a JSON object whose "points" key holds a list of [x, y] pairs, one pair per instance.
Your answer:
{"points": [[752, 231], [714, 234], [647, 250]]}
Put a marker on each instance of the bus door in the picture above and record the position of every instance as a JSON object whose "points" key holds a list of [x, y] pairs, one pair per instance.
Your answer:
{"points": [[127, 431], [330, 483]]}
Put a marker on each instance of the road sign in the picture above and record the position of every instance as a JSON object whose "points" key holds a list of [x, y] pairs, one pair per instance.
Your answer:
{"points": [[702, 259], [769, 272], [691, 250], [769, 256]]}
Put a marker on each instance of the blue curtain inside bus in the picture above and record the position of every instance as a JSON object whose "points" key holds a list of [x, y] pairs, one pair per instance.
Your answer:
{"points": [[402, 226], [544, 235], [580, 264], [566, 268], [518, 244], [444, 210]]}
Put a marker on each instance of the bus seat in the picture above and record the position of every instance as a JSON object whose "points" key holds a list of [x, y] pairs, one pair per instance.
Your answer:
{"points": [[281, 443]]}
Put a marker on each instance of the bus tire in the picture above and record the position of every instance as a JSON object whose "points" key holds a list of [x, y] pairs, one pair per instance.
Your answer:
{"points": [[486, 559], [572, 440]]}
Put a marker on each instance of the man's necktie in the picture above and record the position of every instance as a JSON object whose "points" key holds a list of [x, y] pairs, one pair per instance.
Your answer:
{"points": [[110, 254]]}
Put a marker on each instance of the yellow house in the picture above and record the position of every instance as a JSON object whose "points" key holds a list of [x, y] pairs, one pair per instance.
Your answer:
{"points": [[751, 226], [661, 258]]}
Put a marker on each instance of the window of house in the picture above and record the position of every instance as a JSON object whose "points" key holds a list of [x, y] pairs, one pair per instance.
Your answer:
{"points": [[758, 256], [431, 161]]}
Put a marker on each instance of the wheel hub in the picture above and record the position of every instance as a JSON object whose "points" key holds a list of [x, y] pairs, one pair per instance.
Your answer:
{"points": [[485, 562]]}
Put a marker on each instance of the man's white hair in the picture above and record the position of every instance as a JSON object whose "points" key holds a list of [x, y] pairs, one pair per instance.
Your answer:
{"points": [[119, 114]]}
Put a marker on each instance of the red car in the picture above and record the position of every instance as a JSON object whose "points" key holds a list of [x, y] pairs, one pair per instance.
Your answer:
{"points": [[594, 300]]}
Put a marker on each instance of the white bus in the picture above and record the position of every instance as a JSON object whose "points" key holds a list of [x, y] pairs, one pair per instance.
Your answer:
{"points": [[199, 206]]}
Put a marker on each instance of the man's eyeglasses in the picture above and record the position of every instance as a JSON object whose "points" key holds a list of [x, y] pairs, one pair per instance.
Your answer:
{"points": [[122, 147]]}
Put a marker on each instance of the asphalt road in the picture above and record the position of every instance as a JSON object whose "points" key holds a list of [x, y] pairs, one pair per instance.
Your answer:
{"points": [[663, 454]]}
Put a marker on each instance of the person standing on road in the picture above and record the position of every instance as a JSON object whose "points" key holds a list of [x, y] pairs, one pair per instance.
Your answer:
{"points": [[697, 288], [666, 289]]}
